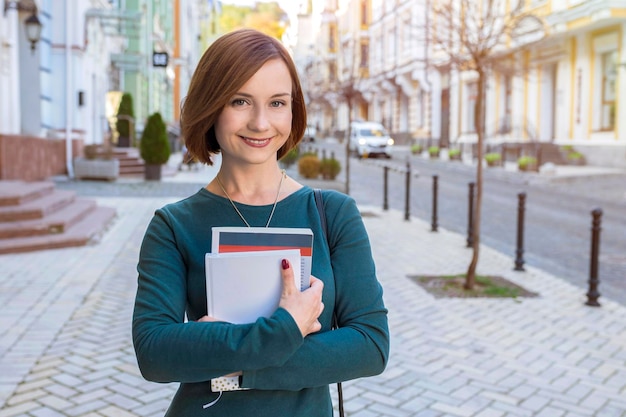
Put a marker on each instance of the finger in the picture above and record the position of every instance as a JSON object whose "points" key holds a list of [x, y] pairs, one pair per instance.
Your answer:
{"points": [[289, 286], [316, 327], [316, 284]]}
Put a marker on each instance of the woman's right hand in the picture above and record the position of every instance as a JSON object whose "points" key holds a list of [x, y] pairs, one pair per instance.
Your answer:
{"points": [[304, 306]]}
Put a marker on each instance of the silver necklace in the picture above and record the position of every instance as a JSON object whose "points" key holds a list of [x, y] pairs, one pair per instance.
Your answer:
{"points": [[232, 203]]}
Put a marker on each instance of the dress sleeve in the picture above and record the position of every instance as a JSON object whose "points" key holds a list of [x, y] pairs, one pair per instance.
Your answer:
{"points": [[170, 350], [360, 347]]}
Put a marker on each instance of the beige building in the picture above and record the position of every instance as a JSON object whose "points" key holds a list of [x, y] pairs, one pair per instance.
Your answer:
{"points": [[564, 90]]}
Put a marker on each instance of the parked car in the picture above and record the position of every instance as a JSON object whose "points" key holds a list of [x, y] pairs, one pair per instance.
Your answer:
{"points": [[370, 139], [309, 134]]}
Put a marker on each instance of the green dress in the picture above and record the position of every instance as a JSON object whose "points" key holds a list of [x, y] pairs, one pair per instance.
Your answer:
{"points": [[287, 375]]}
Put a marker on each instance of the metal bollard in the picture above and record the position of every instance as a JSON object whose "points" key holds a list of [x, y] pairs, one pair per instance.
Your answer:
{"points": [[323, 153], [470, 216], [433, 225], [385, 188], [407, 195], [519, 252], [593, 294]]}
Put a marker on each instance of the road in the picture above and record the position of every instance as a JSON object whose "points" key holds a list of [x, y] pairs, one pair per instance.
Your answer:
{"points": [[558, 219]]}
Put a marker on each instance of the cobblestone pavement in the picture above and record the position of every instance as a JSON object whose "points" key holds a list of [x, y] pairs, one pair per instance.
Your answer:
{"points": [[65, 345]]}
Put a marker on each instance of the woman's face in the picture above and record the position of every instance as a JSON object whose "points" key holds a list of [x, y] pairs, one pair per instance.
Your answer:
{"points": [[256, 122]]}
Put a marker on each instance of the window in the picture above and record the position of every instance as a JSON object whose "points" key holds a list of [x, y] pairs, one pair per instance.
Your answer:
{"points": [[332, 38], [471, 91], [363, 13], [364, 55], [506, 99], [332, 72], [609, 78]]}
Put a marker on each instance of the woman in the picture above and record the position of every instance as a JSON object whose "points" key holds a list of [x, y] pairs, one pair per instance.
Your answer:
{"points": [[245, 102]]}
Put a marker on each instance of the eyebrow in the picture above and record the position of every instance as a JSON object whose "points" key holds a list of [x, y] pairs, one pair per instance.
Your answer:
{"points": [[273, 96]]}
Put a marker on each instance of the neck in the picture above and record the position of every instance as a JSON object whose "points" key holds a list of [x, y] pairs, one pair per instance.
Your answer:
{"points": [[250, 187]]}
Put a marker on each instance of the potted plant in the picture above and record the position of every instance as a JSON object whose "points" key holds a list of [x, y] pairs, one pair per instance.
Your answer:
{"points": [[433, 151], [309, 166], [125, 123], [416, 148], [98, 163], [454, 154], [527, 163], [330, 168], [154, 146], [493, 159]]}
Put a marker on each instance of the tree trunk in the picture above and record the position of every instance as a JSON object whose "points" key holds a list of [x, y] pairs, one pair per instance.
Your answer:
{"points": [[470, 277]]}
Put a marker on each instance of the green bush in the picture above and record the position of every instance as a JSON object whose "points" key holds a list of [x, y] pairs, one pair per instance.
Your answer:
{"points": [[454, 153], [574, 155], [433, 151], [125, 109], [493, 158], [526, 163], [330, 168], [416, 148], [154, 145], [309, 166]]}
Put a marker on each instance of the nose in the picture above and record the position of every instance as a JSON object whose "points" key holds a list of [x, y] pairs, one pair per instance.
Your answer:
{"points": [[259, 119]]}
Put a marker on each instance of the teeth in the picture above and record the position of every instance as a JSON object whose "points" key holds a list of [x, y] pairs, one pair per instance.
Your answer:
{"points": [[256, 141]]}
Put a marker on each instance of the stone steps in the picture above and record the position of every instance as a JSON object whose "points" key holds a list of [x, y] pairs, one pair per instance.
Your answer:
{"points": [[130, 161], [36, 216]]}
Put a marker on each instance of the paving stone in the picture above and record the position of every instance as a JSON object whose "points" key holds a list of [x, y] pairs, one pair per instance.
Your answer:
{"points": [[54, 402], [46, 412], [114, 411], [479, 358]]}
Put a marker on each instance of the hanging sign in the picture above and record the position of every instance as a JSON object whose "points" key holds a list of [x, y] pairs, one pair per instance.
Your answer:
{"points": [[160, 59]]}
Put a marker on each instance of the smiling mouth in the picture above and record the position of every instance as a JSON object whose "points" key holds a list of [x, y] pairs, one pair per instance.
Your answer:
{"points": [[256, 142]]}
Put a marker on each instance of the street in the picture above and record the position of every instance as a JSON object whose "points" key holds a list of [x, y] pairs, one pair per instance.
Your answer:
{"points": [[557, 235]]}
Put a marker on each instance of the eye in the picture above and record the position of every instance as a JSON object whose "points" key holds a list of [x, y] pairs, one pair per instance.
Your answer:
{"points": [[238, 102], [277, 103]]}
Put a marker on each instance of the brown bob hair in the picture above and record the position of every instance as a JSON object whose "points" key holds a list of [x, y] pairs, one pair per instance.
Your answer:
{"points": [[223, 69]]}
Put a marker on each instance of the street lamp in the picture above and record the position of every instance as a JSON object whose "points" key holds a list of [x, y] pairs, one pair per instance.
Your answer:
{"points": [[33, 30], [32, 24]]}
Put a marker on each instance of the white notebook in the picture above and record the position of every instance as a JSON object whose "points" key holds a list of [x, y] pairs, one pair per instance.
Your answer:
{"points": [[243, 286]]}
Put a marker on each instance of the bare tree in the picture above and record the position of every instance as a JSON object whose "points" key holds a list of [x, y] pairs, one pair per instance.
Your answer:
{"points": [[483, 36], [348, 92]]}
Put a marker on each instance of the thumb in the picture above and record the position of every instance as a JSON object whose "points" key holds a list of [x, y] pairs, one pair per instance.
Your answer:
{"points": [[289, 287]]}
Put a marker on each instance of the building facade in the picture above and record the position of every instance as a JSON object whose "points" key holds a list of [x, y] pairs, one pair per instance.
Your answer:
{"points": [[67, 87], [563, 87]]}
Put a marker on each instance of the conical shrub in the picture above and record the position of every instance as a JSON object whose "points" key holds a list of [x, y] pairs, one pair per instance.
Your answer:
{"points": [[154, 145]]}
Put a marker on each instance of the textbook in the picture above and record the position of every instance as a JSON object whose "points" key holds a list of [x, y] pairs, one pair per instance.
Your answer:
{"points": [[251, 239], [243, 270]]}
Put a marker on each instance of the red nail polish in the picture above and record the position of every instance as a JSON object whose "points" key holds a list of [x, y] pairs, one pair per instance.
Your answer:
{"points": [[285, 264]]}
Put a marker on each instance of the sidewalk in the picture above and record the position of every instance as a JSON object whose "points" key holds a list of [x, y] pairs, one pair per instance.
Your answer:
{"points": [[65, 345]]}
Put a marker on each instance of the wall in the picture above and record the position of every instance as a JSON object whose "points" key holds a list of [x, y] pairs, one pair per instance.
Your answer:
{"points": [[30, 158]]}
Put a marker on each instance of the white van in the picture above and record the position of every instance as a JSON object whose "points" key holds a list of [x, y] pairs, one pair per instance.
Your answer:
{"points": [[370, 138]]}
